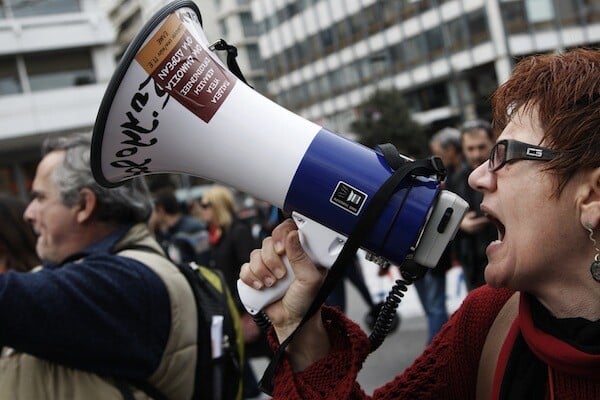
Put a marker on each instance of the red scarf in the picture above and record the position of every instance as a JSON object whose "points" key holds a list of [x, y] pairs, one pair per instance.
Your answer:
{"points": [[558, 355]]}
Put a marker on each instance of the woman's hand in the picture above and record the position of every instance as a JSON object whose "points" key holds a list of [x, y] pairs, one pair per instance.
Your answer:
{"points": [[265, 268]]}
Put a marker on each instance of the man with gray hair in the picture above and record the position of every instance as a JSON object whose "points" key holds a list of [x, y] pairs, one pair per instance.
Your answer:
{"points": [[106, 313]]}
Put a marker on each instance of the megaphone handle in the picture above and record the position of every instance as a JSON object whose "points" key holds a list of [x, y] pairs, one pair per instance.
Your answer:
{"points": [[322, 245], [255, 300]]}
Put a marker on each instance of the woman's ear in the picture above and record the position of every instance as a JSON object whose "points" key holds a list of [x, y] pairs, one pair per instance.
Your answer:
{"points": [[590, 203], [87, 205]]}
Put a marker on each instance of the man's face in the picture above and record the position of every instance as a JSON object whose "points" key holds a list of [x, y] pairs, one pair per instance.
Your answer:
{"points": [[54, 223], [476, 147], [450, 156]]}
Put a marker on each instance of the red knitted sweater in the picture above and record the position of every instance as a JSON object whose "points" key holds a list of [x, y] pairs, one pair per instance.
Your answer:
{"points": [[447, 369]]}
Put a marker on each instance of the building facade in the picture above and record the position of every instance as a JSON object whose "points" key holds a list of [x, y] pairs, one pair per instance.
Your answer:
{"points": [[236, 25], [323, 58], [55, 59]]}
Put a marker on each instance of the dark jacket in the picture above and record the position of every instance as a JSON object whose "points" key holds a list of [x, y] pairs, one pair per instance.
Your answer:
{"points": [[97, 315], [231, 251]]}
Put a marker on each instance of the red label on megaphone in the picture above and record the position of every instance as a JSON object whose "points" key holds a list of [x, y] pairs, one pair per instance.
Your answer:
{"points": [[181, 66]]}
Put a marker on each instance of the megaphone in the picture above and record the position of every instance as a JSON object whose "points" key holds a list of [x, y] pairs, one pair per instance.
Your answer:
{"points": [[173, 107]]}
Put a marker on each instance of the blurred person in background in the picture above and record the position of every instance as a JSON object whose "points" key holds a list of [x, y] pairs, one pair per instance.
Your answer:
{"points": [[104, 314], [476, 230], [183, 237], [231, 243], [431, 288], [17, 240]]}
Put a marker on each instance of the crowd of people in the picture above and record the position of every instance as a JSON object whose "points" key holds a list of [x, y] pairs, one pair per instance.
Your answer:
{"points": [[91, 306]]}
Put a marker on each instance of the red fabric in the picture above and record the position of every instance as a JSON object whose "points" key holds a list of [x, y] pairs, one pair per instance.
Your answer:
{"points": [[558, 355], [503, 357], [214, 234], [447, 369]]}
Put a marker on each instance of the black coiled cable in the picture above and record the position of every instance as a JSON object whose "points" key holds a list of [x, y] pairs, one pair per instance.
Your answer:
{"points": [[410, 272], [384, 322], [262, 320]]}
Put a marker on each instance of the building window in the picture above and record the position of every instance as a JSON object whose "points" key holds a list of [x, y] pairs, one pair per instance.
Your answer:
{"points": [[28, 8], [435, 42], [223, 28], [478, 27], [415, 49], [514, 16], [429, 98], [59, 69], [9, 77], [591, 10], [248, 25], [254, 56], [457, 33]]}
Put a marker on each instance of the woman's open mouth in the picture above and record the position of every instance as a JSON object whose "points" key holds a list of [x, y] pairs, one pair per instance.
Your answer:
{"points": [[499, 226]]}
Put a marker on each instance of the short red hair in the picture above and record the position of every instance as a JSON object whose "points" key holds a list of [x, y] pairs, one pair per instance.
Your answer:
{"points": [[565, 90]]}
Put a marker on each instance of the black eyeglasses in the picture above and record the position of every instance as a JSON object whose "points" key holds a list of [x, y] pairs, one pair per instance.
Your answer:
{"points": [[507, 150], [204, 205]]}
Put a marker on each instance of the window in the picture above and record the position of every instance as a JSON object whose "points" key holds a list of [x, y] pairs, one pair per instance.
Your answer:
{"points": [[414, 50], [435, 42], [28, 8], [59, 69], [254, 56], [457, 33], [513, 15], [9, 77], [567, 11], [478, 27], [591, 10], [326, 38], [223, 27], [248, 25]]}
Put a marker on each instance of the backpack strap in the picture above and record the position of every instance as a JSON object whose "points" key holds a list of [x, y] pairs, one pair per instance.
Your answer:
{"points": [[493, 343]]}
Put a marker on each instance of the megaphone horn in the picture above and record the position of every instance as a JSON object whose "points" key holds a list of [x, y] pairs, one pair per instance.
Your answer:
{"points": [[173, 107]]}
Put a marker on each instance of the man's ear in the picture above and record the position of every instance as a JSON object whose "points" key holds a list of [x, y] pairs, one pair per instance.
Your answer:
{"points": [[590, 203], [87, 205]]}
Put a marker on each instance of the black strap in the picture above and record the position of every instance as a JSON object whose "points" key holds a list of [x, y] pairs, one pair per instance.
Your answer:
{"points": [[231, 58], [365, 223], [203, 336]]}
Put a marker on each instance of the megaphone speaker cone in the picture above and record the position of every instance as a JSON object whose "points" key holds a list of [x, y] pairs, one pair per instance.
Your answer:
{"points": [[173, 107]]}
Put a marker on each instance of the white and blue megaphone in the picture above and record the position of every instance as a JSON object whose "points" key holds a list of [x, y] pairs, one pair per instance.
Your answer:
{"points": [[173, 107]]}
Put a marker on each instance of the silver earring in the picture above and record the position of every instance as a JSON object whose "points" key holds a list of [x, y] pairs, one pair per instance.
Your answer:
{"points": [[595, 267]]}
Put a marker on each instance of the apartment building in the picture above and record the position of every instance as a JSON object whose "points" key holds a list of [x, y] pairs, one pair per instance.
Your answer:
{"points": [[237, 26], [55, 60], [323, 58]]}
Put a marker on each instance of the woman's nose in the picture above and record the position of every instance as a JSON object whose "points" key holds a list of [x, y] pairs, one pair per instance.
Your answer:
{"points": [[481, 179]]}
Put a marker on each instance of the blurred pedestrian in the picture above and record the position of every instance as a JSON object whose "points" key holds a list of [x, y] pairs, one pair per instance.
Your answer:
{"points": [[102, 319], [431, 288], [17, 240], [476, 230], [183, 237], [231, 243]]}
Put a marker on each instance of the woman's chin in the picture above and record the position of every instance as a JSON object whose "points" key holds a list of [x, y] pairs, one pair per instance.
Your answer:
{"points": [[494, 278]]}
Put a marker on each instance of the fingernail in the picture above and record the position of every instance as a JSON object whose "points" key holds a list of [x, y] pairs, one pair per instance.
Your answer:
{"points": [[278, 247], [269, 281], [257, 285], [279, 273]]}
